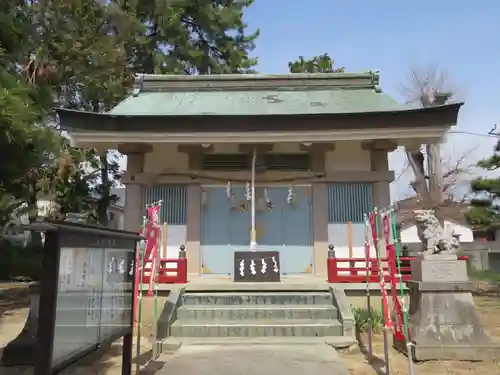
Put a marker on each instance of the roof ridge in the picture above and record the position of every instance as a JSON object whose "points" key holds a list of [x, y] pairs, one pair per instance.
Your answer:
{"points": [[301, 81]]}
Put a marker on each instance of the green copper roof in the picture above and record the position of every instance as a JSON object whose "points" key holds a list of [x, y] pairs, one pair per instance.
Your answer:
{"points": [[255, 103], [291, 94]]}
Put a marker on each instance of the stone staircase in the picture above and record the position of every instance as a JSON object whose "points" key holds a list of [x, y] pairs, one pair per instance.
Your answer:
{"points": [[236, 316]]}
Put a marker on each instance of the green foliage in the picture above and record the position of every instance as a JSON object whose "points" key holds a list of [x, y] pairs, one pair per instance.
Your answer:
{"points": [[362, 317], [82, 45], [482, 275], [193, 37], [484, 213], [318, 64], [82, 55], [26, 145], [485, 275], [22, 139], [20, 261], [13, 20]]}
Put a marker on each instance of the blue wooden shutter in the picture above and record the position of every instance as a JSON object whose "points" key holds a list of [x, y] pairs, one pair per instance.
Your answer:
{"points": [[349, 202], [174, 202]]}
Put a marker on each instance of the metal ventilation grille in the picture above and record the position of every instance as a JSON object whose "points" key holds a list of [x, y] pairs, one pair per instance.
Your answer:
{"points": [[174, 202], [349, 202], [274, 162], [287, 162], [226, 162]]}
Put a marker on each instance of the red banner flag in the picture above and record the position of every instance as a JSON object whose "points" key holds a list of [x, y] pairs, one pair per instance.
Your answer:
{"points": [[150, 232], [152, 244]]}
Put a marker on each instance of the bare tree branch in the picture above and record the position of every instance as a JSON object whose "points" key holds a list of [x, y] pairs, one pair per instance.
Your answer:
{"points": [[457, 174], [427, 87], [406, 166], [424, 83]]}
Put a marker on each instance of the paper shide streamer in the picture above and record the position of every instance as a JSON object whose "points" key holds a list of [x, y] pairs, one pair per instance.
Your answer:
{"points": [[263, 269]]}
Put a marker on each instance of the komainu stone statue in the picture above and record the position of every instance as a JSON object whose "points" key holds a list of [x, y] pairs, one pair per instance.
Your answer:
{"points": [[435, 240], [443, 323]]}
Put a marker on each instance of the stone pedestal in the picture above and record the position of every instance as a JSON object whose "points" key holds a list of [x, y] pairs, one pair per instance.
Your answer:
{"points": [[443, 321], [21, 350]]}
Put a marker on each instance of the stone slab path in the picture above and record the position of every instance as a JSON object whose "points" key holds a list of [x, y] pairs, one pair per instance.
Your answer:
{"points": [[255, 360], [250, 359]]}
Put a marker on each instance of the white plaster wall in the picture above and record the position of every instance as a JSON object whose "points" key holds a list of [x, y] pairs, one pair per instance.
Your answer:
{"points": [[409, 235], [497, 234], [116, 218], [164, 158], [45, 207], [348, 156], [175, 237], [338, 237]]}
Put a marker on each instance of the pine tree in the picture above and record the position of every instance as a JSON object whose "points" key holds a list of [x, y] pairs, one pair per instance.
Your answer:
{"points": [[79, 52], [26, 145], [318, 64], [193, 37], [83, 54], [484, 213]]}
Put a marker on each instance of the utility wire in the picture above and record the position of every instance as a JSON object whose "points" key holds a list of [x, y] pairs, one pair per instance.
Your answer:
{"points": [[487, 135], [490, 134]]}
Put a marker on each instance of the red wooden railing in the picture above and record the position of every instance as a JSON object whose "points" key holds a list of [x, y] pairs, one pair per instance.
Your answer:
{"points": [[170, 271], [345, 273]]}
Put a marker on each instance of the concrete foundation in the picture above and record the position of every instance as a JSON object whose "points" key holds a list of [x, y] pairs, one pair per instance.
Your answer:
{"points": [[22, 350], [443, 321]]}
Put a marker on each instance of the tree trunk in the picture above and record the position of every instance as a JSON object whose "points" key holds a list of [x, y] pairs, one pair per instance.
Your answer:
{"points": [[416, 161], [102, 207], [36, 238], [435, 173]]}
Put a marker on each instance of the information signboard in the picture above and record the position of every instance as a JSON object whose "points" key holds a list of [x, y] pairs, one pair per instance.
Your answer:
{"points": [[117, 296], [95, 292]]}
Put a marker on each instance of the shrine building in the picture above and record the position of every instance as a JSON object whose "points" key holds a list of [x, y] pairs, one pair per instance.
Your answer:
{"points": [[320, 143]]}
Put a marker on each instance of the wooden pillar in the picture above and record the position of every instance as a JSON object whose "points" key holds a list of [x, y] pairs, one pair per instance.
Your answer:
{"points": [[193, 230], [134, 210], [317, 152], [379, 161], [381, 192], [195, 154], [320, 227]]}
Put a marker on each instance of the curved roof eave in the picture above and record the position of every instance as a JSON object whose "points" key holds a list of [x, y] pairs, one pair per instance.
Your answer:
{"points": [[75, 114]]}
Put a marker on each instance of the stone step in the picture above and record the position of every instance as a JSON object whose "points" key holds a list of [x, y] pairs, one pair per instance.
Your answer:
{"points": [[256, 312], [252, 328], [257, 298], [339, 342]]}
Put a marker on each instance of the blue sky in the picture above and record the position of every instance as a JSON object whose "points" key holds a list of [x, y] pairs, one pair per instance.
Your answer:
{"points": [[392, 36]]}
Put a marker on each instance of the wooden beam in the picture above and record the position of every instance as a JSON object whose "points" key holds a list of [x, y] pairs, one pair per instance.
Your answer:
{"points": [[379, 145], [317, 152], [261, 148], [188, 149], [195, 154], [135, 148], [317, 147]]}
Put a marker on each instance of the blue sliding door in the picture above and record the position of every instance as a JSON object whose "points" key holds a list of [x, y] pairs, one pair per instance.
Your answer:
{"points": [[285, 227]]}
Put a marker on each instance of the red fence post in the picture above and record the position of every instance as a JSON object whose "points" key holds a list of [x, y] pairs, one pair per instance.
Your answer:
{"points": [[331, 264], [182, 271], [182, 266]]}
